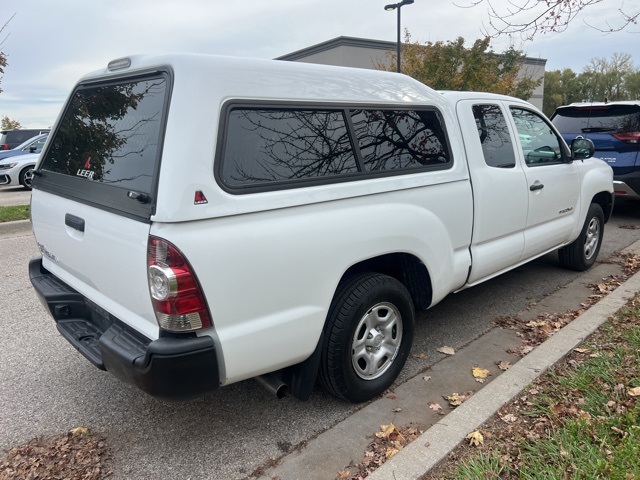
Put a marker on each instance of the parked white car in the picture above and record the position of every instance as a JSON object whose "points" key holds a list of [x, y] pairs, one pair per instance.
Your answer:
{"points": [[18, 170]]}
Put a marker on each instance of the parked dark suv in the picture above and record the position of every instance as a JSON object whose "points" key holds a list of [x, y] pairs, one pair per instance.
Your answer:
{"points": [[10, 139], [614, 128]]}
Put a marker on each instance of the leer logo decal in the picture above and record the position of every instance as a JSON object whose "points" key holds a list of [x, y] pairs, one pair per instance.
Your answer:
{"points": [[85, 172]]}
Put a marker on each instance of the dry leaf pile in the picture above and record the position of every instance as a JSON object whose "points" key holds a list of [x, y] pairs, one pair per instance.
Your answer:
{"points": [[386, 443], [77, 455]]}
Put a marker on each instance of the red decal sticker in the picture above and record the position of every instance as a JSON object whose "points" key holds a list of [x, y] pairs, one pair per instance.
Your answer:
{"points": [[200, 199]]}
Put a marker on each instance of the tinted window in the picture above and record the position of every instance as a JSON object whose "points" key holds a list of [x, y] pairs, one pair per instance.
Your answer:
{"points": [[598, 118], [110, 134], [274, 145], [540, 144], [494, 136], [391, 140]]}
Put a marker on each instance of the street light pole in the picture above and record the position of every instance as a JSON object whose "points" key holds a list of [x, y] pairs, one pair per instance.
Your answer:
{"points": [[390, 8]]}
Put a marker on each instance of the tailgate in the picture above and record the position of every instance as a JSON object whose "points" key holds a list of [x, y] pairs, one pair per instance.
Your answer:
{"points": [[94, 192], [100, 254]]}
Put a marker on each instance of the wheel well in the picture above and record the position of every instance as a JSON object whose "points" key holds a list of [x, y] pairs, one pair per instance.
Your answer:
{"points": [[605, 200], [405, 268]]}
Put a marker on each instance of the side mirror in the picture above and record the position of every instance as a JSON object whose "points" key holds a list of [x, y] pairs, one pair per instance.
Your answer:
{"points": [[582, 148]]}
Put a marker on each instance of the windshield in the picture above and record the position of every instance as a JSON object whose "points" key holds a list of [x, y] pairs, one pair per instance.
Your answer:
{"points": [[37, 138]]}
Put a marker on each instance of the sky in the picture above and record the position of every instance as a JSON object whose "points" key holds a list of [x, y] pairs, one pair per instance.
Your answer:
{"points": [[50, 44]]}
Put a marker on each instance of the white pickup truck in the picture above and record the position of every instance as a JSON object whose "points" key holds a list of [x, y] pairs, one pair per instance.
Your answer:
{"points": [[203, 220]]}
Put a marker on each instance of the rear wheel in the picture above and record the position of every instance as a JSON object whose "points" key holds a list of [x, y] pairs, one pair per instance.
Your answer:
{"points": [[26, 176], [368, 337], [582, 253]]}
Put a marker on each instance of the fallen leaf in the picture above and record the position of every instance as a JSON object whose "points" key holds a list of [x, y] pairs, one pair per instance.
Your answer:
{"points": [[396, 410], [456, 399], [634, 392], [79, 431], [480, 372], [427, 378], [386, 430], [446, 350], [435, 407], [344, 474], [526, 349], [504, 365], [475, 438], [480, 380], [420, 356], [391, 396], [509, 418], [391, 451], [581, 350]]}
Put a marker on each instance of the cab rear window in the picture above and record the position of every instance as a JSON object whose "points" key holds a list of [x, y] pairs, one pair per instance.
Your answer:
{"points": [[110, 134]]}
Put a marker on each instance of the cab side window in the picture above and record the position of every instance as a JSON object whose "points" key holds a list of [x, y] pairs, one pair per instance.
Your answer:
{"points": [[495, 138], [540, 145]]}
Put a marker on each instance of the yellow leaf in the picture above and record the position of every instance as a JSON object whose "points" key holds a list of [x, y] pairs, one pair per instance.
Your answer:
{"points": [[634, 392], [79, 431], [391, 452], [386, 430], [475, 438], [480, 372]]}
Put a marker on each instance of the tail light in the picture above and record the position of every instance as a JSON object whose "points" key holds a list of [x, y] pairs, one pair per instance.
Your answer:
{"points": [[628, 137], [176, 295]]}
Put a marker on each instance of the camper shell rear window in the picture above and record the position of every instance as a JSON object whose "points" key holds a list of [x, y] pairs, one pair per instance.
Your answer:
{"points": [[107, 145], [271, 147]]}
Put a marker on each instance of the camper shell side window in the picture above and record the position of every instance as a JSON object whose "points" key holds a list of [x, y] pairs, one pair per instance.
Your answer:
{"points": [[273, 147]]}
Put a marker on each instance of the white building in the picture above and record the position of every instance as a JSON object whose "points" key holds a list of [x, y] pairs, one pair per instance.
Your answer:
{"points": [[366, 53]]}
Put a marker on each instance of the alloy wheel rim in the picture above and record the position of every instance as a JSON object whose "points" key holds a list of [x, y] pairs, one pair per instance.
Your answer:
{"points": [[376, 341]]}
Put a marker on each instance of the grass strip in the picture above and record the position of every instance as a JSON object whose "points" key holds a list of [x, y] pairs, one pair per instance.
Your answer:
{"points": [[580, 420], [13, 213]]}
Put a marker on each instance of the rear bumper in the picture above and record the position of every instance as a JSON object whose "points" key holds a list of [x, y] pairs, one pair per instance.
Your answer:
{"points": [[168, 368], [627, 185]]}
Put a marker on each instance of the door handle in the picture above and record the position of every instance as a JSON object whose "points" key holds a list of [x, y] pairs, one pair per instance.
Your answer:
{"points": [[74, 222], [536, 186]]}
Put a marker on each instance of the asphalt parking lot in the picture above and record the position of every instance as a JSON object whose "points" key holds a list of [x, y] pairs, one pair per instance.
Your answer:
{"points": [[48, 388]]}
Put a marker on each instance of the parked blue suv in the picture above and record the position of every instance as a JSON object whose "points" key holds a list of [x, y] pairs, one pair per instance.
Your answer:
{"points": [[614, 128]]}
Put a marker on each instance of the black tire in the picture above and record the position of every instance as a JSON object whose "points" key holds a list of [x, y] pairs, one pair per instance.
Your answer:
{"points": [[26, 175], [357, 366], [582, 253]]}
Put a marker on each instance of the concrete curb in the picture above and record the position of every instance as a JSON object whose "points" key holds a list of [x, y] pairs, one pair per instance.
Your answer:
{"points": [[435, 444], [18, 228]]}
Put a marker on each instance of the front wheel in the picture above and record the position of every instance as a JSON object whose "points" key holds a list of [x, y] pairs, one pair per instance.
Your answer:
{"points": [[582, 253], [26, 176], [368, 337]]}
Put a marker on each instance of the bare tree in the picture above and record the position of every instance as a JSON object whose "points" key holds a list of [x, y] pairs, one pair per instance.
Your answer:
{"points": [[3, 56], [530, 17]]}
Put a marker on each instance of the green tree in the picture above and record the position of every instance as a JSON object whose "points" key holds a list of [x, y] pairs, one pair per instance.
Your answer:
{"points": [[561, 87], [451, 66], [632, 85], [7, 124], [604, 78]]}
